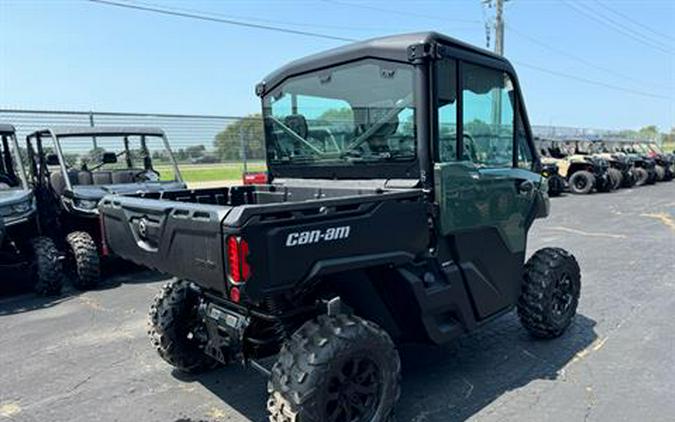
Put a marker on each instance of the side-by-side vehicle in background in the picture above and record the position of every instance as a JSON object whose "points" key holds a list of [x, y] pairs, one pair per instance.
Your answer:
{"points": [[72, 168], [25, 253], [404, 219], [583, 173]]}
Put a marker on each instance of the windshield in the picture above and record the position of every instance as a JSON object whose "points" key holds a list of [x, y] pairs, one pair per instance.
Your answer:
{"points": [[12, 175], [358, 112], [104, 160]]}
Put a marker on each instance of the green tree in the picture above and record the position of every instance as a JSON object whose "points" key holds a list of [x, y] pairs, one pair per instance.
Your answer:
{"points": [[228, 142]]}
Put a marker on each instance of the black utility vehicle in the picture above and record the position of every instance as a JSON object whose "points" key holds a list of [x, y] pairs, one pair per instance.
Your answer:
{"points": [[23, 251], [72, 168], [378, 225]]}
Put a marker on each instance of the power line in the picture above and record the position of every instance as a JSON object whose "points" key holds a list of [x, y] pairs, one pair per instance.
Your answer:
{"points": [[204, 17], [577, 58], [633, 21], [593, 82], [220, 20], [398, 12], [257, 19], [610, 23]]}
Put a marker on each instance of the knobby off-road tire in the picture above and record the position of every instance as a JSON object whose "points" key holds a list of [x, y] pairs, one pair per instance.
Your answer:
{"points": [[641, 176], [176, 330], [616, 178], [582, 182], [84, 263], [550, 293], [660, 173], [47, 268], [335, 368], [556, 186]]}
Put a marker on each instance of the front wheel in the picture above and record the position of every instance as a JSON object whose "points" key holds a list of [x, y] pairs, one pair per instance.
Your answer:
{"points": [[176, 330], [582, 182], [335, 368], [550, 292], [615, 177], [83, 263], [641, 176], [47, 268]]}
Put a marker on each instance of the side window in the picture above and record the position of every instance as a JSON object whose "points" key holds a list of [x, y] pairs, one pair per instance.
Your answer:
{"points": [[488, 116], [525, 153], [447, 110]]}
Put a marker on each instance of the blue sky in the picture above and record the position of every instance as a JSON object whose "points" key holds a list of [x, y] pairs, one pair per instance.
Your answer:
{"points": [[72, 55]]}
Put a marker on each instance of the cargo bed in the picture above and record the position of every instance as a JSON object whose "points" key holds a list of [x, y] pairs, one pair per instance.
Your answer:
{"points": [[294, 232]]}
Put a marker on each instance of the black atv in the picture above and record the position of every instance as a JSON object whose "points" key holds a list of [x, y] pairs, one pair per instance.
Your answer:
{"points": [[24, 252], [72, 168], [396, 230]]}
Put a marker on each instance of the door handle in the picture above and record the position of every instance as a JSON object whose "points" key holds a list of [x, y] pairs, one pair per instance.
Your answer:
{"points": [[525, 187]]}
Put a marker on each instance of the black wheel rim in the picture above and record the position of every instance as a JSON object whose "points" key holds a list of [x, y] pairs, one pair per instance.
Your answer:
{"points": [[580, 183], [563, 297], [354, 391]]}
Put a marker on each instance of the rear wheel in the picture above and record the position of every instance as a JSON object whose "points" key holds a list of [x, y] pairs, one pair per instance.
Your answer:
{"points": [[550, 292], [83, 262], [556, 185], [335, 368], [641, 176], [615, 177], [582, 182], [176, 330], [47, 268]]}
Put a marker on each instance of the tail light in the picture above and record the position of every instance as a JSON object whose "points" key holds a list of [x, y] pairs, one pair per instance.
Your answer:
{"points": [[238, 269], [104, 245], [255, 178]]}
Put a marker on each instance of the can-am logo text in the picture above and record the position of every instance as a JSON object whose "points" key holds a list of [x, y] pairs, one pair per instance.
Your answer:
{"points": [[316, 236]]}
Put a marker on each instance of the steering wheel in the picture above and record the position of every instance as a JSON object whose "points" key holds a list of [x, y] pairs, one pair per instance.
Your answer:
{"points": [[145, 175]]}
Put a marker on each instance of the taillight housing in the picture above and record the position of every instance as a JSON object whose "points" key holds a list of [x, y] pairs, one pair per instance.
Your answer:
{"points": [[236, 252]]}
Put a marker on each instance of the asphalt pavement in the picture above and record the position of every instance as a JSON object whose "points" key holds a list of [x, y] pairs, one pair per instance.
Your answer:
{"points": [[86, 357]]}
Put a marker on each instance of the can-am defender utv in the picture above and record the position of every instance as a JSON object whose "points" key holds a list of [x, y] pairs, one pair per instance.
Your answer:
{"points": [[582, 172], [72, 168], [23, 251], [396, 230], [641, 160], [620, 171], [665, 162], [557, 184]]}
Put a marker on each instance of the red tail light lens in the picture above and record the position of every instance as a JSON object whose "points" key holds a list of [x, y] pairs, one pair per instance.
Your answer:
{"points": [[255, 178], [238, 269]]}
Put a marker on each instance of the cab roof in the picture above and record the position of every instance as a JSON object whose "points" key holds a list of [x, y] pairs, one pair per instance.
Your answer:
{"points": [[6, 129], [394, 47], [66, 131]]}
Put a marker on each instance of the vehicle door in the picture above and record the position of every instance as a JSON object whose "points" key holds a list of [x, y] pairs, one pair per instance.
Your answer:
{"points": [[486, 180]]}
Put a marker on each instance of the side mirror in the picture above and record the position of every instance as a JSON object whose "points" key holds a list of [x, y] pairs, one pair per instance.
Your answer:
{"points": [[109, 158], [52, 159]]}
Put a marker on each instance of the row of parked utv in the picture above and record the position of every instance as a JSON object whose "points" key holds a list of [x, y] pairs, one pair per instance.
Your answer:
{"points": [[49, 221], [582, 167]]}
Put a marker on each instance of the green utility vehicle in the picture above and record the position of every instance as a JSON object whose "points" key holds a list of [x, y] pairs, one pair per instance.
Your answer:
{"points": [[72, 168], [24, 252], [402, 185]]}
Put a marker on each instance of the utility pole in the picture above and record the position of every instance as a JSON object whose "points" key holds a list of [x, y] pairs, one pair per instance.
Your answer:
{"points": [[499, 27], [498, 24]]}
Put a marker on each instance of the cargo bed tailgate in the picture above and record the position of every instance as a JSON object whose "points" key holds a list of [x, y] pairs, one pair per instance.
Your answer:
{"points": [[178, 238]]}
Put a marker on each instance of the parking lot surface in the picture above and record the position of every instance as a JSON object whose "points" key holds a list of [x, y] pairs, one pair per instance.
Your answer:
{"points": [[85, 356]]}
